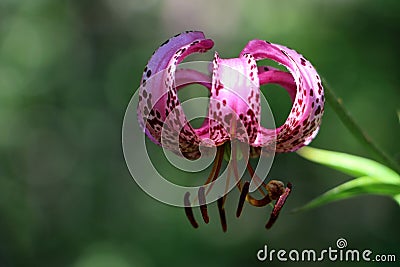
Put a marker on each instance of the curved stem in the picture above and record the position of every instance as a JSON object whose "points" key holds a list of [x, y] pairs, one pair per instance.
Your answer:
{"points": [[355, 129]]}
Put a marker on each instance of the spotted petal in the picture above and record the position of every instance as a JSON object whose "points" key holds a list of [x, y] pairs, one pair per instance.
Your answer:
{"points": [[159, 110], [235, 99], [304, 119]]}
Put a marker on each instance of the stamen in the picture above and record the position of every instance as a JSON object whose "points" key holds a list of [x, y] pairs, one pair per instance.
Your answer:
{"points": [[278, 206], [275, 189], [255, 176], [201, 196], [216, 168], [255, 202], [189, 211], [242, 198], [203, 205], [235, 170], [228, 179], [221, 210], [219, 156], [258, 202]]}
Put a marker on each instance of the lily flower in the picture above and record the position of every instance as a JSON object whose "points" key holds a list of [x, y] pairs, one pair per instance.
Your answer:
{"points": [[234, 110]]}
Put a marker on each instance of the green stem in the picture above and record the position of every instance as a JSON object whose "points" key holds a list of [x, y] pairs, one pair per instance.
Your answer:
{"points": [[355, 129]]}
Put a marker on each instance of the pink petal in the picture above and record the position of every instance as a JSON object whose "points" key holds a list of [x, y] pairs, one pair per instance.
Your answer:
{"points": [[235, 99], [304, 119], [285, 79], [184, 77], [159, 105]]}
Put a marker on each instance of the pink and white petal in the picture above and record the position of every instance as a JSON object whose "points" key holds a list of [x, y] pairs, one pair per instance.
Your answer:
{"points": [[305, 116], [184, 77], [158, 93], [177, 131], [235, 99]]}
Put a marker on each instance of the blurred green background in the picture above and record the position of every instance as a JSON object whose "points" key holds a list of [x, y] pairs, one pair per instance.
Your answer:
{"points": [[67, 72]]}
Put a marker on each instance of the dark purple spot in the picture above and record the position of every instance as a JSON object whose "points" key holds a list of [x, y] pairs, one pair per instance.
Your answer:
{"points": [[300, 101], [166, 42], [218, 86], [318, 110]]}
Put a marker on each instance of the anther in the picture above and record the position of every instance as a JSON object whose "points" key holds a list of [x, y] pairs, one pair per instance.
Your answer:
{"points": [[278, 206], [203, 205], [242, 198], [275, 189], [189, 211], [221, 210]]}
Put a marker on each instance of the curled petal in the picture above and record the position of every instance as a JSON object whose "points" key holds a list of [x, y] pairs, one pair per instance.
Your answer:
{"points": [[271, 75], [304, 119], [159, 109], [235, 99]]}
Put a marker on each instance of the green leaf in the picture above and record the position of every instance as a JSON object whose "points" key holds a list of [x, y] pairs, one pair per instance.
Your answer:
{"points": [[355, 187], [375, 177], [345, 116], [398, 115], [350, 164], [397, 199]]}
